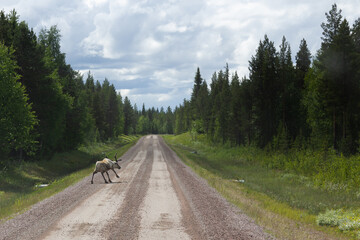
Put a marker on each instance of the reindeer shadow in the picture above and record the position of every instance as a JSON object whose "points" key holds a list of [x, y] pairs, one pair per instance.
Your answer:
{"points": [[114, 182], [124, 181]]}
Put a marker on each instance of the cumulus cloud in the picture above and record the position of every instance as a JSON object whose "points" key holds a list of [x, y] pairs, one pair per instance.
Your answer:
{"points": [[150, 49], [172, 27]]}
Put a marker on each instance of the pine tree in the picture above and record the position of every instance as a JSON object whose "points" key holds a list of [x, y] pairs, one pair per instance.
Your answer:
{"points": [[331, 27]]}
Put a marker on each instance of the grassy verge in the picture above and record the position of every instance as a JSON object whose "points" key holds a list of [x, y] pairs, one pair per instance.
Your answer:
{"points": [[18, 185], [287, 205]]}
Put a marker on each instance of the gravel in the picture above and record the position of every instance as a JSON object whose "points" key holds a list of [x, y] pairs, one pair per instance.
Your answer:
{"points": [[210, 215], [204, 213]]}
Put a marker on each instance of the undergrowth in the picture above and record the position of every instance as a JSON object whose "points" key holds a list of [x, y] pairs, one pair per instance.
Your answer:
{"points": [[311, 181], [344, 220]]}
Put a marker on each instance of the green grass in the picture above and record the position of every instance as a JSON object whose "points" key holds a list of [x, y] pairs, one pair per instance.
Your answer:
{"points": [[18, 189], [275, 199]]}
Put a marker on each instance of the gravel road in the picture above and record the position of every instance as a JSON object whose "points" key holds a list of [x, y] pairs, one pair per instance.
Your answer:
{"points": [[156, 197]]}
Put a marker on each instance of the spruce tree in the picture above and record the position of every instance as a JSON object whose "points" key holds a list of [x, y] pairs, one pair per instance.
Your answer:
{"points": [[197, 84], [235, 111], [17, 119], [303, 61], [128, 117], [265, 89]]}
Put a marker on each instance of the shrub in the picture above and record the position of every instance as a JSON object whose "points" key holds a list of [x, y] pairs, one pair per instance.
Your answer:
{"points": [[344, 220], [329, 218]]}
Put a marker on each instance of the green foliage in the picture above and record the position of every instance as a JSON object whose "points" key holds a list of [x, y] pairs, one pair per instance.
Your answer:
{"points": [[318, 121], [338, 89], [257, 204], [281, 105], [66, 111], [280, 141], [329, 218], [197, 85], [128, 116], [265, 86], [182, 118], [104, 109], [345, 220], [17, 119], [154, 121], [276, 174], [331, 27]]}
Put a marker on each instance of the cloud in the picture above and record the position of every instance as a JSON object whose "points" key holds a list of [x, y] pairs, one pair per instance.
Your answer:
{"points": [[172, 27], [170, 78], [150, 49], [113, 74], [149, 46]]}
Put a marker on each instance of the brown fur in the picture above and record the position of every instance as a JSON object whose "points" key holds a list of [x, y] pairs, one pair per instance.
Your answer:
{"points": [[104, 166]]}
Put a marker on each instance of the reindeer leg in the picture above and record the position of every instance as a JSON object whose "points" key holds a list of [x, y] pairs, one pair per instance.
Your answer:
{"points": [[103, 177], [93, 177], [115, 173], [109, 177]]}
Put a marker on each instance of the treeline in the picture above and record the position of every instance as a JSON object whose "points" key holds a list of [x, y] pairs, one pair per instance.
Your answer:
{"points": [[312, 102], [46, 106], [154, 121]]}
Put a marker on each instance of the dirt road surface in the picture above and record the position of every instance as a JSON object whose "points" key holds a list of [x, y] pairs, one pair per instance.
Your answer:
{"points": [[156, 197]]}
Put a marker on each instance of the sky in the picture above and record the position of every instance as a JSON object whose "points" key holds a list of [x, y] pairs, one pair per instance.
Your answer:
{"points": [[150, 50]]}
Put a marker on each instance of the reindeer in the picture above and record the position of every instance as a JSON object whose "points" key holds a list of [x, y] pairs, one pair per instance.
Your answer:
{"points": [[104, 166]]}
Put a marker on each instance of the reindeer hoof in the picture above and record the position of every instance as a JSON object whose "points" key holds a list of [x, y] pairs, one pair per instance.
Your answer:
{"points": [[92, 182], [106, 182], [110, 181], [117, 176]]}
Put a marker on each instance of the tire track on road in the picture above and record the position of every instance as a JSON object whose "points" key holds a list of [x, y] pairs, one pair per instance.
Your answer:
{"points": [[126, 223], [161, 215], [215, 218], [84, 221], [157, 197]]}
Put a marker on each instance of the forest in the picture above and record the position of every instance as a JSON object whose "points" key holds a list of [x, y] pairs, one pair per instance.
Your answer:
{"points": [[47, 106], [312, 103]]}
